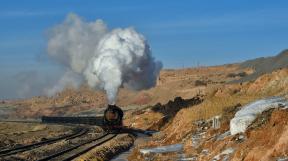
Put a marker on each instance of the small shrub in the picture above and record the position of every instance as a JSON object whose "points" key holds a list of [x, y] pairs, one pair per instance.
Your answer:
{"points": [[200, 83], [233, 75]]}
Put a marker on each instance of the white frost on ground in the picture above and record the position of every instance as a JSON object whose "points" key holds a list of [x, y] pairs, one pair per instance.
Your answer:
{"points": [[282, 159], [191, 158], [225, 153], [163, 149], [244, 117]]}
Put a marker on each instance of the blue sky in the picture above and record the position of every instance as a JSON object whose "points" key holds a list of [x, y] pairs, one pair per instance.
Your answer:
{"points": [[181, 33]]}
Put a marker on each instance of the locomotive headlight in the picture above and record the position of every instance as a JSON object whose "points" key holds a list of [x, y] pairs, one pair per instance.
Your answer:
{"points": [[111, 115]]}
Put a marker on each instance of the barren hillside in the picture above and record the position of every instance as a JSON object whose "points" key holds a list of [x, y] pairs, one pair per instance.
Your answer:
{"points": [[182, 106]]}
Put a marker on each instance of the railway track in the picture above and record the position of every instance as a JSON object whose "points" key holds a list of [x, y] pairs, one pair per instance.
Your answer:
{"points": [[75, 149], [79, 132], [79, 149], [65, 154]]}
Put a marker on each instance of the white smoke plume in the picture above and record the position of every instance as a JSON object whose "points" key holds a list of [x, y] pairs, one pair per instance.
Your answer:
{"points": [[106, 59], [69, 79]]}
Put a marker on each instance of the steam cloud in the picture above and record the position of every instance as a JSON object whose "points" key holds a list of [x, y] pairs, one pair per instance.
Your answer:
{"points": [[105, 59]]}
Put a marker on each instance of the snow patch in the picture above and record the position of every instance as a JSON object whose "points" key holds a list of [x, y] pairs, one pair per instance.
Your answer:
{"points": [[225, 153], [222, 136], [163, 149], [282, 159], [244, 117], [185, 159]]}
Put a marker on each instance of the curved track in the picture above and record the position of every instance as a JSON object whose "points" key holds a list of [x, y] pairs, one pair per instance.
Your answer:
{"points": [[73, 151], [79, 132], [79, 149]]}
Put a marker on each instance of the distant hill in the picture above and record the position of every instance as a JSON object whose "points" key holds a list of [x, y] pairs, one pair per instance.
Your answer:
{"points": [[265, 65]]}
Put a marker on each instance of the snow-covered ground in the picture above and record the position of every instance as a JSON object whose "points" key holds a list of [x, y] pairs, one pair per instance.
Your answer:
{"points": [[225, 155], [244, 117], [163, 149]]}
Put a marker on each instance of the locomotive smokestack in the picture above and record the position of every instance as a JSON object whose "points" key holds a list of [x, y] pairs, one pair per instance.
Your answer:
{"points": [[112, 105]]}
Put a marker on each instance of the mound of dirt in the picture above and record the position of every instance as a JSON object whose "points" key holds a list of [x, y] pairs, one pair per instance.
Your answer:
{"points": [[172, 107], [265, 65]]}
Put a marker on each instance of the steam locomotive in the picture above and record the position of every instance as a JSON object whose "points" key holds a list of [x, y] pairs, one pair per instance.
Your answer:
{"points": [[111, 121], [113, 116]]}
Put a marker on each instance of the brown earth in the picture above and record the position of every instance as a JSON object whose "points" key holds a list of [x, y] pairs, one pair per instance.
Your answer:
{"points": [[171, 84], [266, 143], [163, 108], [14, 134]]}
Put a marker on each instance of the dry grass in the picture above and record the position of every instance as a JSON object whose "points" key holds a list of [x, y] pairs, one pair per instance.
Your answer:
{"points": [[142, 121], [215, 105]]}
